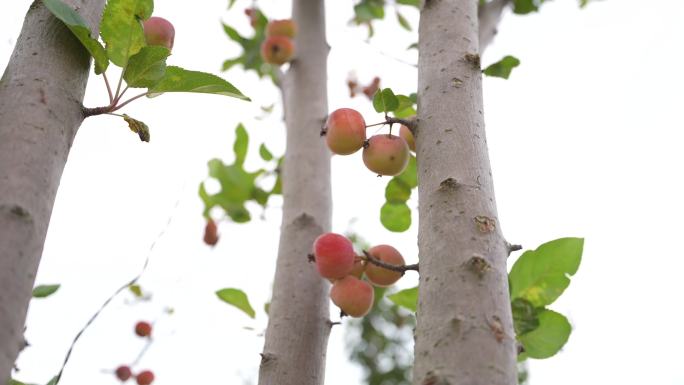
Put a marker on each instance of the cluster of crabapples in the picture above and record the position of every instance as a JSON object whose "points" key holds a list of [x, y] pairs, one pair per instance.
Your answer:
{"points": [[278, 47], [336, 260], [384, 154], [124, 373]]}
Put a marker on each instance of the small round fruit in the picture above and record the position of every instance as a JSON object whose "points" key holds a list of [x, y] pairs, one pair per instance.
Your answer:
{"points": [[143, 329], [146, 377], [277, 50], [123, 373], [352, 295], [346, 131], [159, 31], [285, 27], [379, 276], [211, 233], [405, 133], [358, 269], [386, 154], [334, 255]]}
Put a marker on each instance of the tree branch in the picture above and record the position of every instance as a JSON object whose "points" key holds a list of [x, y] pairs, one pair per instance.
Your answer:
{"points": [[489, 15]]}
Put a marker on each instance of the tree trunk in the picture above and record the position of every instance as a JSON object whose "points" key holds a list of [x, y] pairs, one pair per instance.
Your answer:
{"points": [[299, 325], [464, 333], [41, 94]]}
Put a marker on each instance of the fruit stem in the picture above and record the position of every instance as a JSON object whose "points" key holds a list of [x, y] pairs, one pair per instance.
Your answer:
{"points": [[401, 269], [129, 100], [409, 123], [109, 88]]}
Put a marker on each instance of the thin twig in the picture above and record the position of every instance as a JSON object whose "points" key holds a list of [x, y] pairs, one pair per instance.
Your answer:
{"points": [[128, 101], [409, 123], [400, 269], [119, 290], [109, 89], [118, 87], [118, 98]]}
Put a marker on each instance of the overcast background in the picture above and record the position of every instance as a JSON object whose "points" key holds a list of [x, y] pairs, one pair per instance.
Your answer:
{"points": [[585, 140]]}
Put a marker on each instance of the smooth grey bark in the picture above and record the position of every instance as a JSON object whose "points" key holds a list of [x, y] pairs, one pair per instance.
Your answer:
{"points": [[41, 94], [464, 333], [299, 325]]}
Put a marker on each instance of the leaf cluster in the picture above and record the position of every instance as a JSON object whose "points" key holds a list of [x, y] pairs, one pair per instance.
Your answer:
{"points": [[368, 11], [239, 186], [536, 280], [123, 44], [250, 58]]}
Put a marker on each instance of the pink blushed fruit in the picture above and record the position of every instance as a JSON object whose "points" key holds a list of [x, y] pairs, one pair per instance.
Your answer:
{"points": [[159, 31], [379, 276], [334, 255], [353, 296], [345, 131], [405, 133], [123, 373], [285, 27], [277, 50], [386, 154], [146, 377]]}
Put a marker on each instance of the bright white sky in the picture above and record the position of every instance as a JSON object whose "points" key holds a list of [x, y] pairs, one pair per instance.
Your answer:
{"points": [[585, 140]]}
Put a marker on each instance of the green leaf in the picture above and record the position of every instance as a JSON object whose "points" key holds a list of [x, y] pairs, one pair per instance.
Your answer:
{"points": [[265, 153], [233, 34], [236, 183], [238, 299], [414, 3], [231, 3], [407, 298], [385, 101], [502, 68], [240, 145], [410, 175], [403, 22], [121, 28], [138, 127], [53, 381], [395, 216], [250, 59], [260, 196], [178, 79], [405, 108], [80, 29], [523, 7], [547, 339], [42, 291], [146, 67], [540, 276], [525, 316], [367, 11], [397, 191]]}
